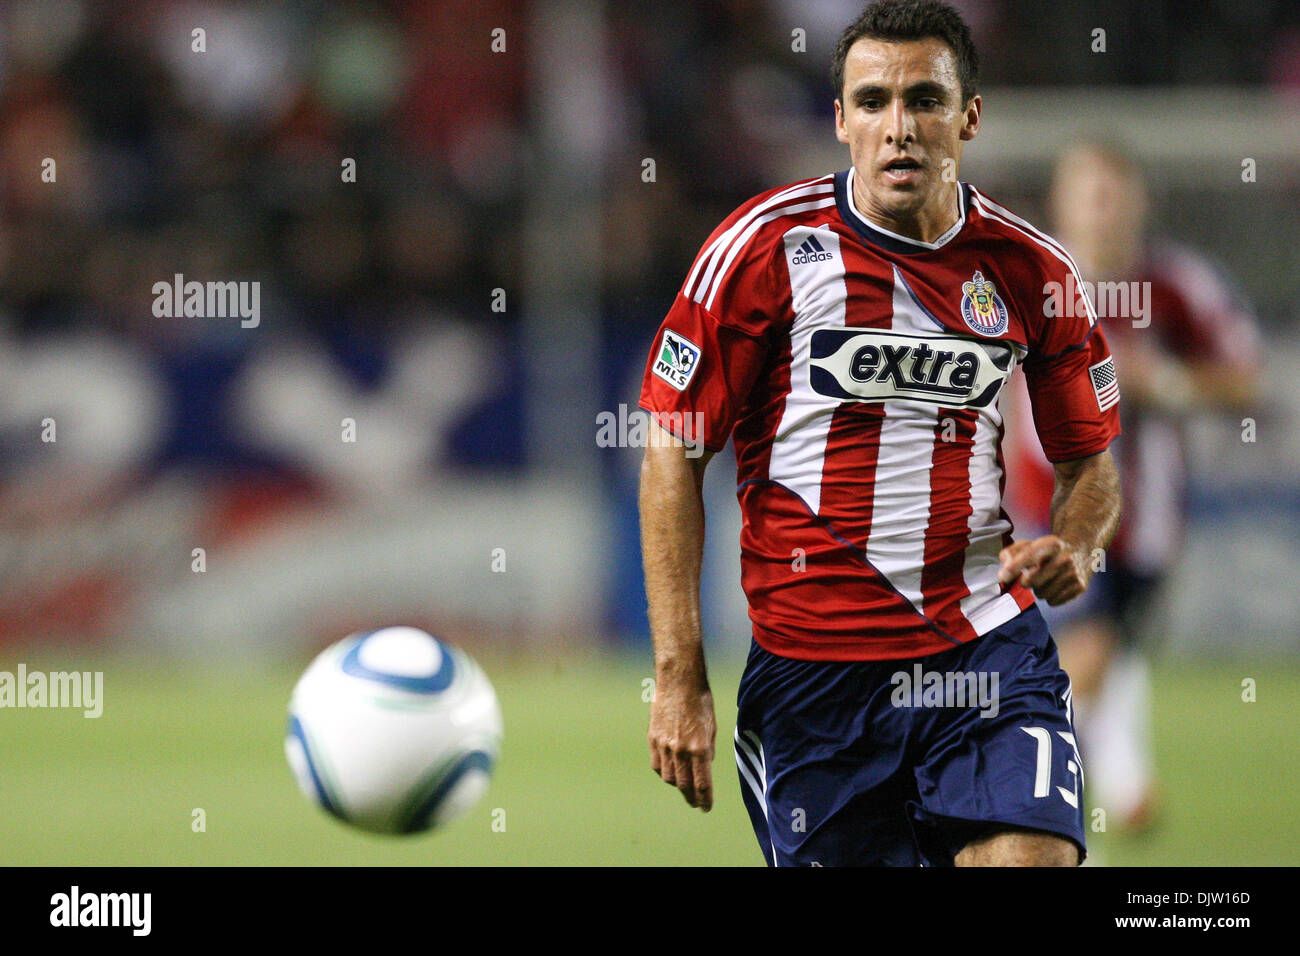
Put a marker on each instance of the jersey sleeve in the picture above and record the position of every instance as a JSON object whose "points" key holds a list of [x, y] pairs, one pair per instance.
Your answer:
{"points": [[1071, 377], [698, 374], [714, 342], [1205, 317]]}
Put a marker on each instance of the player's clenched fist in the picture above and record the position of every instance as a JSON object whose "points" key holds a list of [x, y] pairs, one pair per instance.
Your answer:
{"points": [[682, 732], [1053, 569]]}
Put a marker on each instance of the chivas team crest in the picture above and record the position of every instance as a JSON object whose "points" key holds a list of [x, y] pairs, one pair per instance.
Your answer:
{"points": [[982, 307]]}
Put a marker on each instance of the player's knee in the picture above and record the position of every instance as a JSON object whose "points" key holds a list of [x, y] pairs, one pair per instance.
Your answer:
{"points": [[1019, 848]]}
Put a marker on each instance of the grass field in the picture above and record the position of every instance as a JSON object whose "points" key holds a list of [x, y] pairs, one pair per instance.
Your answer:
{"points": [[574, 780]]}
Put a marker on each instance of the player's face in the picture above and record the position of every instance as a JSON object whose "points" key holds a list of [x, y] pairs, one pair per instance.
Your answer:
{"points": [[1093, 201], [902, 116]]}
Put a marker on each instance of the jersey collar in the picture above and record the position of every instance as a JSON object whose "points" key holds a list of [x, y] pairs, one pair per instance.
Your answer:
{"points": [[891, 241]]}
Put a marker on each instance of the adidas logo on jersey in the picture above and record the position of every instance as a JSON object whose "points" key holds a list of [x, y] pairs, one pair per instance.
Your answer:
{"points": [[870, 365], [810, 250]]}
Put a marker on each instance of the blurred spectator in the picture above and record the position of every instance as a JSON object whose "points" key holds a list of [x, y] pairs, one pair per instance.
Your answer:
{"points": [[131, 157]]}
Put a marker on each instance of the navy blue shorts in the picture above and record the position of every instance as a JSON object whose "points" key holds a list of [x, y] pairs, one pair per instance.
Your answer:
{"points": [[904, 762]]}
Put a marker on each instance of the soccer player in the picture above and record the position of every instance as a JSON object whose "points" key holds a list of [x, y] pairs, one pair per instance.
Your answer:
{"points": [[1184, 342], [852, 333]]}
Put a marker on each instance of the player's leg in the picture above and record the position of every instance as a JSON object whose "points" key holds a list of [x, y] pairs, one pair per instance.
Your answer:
{"points": [[1119, 735], [821, 769], [1103, 652], [1001, 780], [1086, 647], [1018, 848], [750, 764], [812, 817], [1086, 633]]}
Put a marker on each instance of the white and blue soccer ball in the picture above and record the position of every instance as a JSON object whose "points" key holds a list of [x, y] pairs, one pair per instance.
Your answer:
{"points": [[394, 731]]}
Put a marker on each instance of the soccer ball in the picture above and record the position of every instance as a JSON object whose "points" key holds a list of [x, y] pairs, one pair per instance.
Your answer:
{"points": [[393, 731]]}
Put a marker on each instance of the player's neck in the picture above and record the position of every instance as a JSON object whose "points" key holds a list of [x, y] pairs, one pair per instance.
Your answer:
{"points": [[929, 222]]}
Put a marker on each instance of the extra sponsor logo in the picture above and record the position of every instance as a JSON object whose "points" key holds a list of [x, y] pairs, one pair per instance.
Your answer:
{"points": [[677, 360], [982, 308], [870, 365]]}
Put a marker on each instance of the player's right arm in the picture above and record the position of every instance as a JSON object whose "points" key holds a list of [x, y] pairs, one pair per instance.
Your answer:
{"points": [[682, 723], [700, 375]]}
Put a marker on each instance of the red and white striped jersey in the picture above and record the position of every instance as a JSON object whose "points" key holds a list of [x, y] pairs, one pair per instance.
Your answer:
{"points": [[858, 372]]}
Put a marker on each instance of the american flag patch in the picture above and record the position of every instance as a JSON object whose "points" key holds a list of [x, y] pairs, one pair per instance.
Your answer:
{"points": [[1104, 383]]}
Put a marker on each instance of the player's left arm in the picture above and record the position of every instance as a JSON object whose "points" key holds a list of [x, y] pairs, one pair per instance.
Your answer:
{"points": [[1210, 355], [1169, 383], [1086, 507]]}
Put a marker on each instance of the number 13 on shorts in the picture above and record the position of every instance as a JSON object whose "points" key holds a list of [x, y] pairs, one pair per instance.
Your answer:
{"points": [[1043, 773]]}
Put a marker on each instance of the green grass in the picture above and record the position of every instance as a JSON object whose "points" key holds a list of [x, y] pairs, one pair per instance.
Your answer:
{"points": [[1229, 771], [574, 780]]}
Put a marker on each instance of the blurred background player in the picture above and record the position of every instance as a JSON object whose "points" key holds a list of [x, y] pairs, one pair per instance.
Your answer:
{"points": [[1184, 341]]}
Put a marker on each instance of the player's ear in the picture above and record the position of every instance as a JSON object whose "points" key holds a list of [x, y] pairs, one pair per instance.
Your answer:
{"points": [[841, 131], [971, 124]]}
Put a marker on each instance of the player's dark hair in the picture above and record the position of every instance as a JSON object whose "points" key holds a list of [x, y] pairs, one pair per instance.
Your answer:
{"points": [[897, 20]]}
